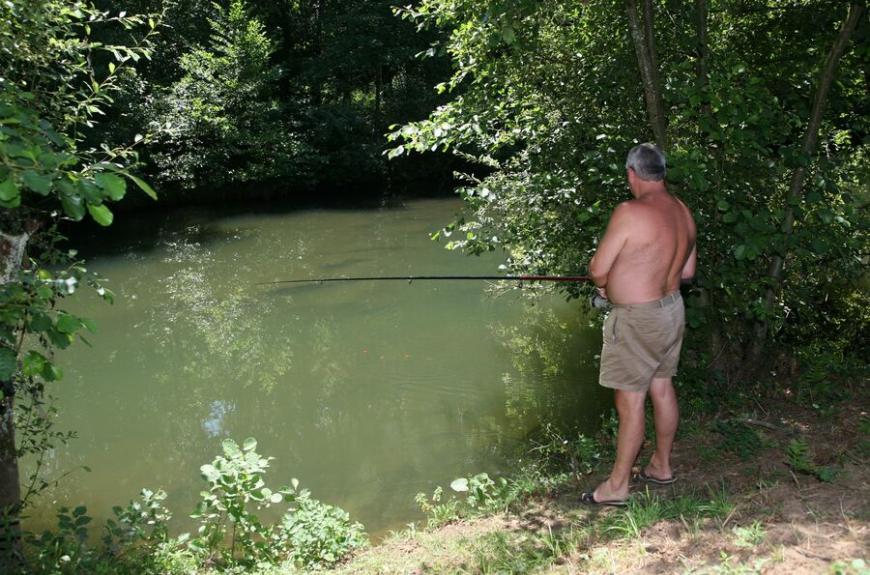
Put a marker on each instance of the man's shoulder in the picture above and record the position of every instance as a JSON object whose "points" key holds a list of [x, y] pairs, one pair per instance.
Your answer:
{"points": [[630, 209]]}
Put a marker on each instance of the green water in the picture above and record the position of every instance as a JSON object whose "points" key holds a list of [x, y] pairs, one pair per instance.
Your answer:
{"points": [[366, 392]]}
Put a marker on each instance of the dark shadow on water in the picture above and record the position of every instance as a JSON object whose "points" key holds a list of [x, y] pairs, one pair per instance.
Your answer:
{"points": [[144, 232]]}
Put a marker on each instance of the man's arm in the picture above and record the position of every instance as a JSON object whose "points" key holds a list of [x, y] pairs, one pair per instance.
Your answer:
{"points": [[610, 245], [689, 267]]}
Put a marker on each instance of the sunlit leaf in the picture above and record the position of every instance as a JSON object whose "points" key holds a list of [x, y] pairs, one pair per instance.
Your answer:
{"points": [[101, 214], [114, 186]]}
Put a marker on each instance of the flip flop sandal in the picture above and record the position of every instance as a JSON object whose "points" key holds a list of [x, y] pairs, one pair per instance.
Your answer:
{"points": [[650, 479], [589, 499]]}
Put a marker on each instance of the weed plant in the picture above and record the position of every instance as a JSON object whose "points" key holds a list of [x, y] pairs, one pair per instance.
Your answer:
{"points": [[648, 508], [738, 438], [231, 536], [798, 458], [750, 536], [556, 459]]}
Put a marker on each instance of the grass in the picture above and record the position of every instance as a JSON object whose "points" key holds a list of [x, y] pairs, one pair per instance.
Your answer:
{"points": [[750, 536], [695, 527], [533, 523], [738, 438], [731, 566], [647, 508]]}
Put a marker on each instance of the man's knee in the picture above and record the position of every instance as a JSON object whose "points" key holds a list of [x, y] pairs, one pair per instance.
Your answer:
{"points": [[629, 401], [661, 387]]}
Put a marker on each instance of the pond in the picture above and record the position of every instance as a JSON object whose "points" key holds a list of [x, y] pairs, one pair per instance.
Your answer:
{"points": [[367, 392]]}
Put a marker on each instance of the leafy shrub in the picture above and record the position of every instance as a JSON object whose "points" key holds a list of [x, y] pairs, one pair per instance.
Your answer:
{"points": [[64, 550], [231, 536], [140, 521], [556, 450], [439, 513], [311, 533], [482, 492], [317, 534], [235, 485]]}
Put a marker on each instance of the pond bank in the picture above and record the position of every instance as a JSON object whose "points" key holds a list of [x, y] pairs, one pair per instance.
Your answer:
{"points": [[748, 500]]}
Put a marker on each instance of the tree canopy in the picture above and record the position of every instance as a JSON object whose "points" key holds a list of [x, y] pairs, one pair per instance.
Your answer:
{"points": [[550, 96]]}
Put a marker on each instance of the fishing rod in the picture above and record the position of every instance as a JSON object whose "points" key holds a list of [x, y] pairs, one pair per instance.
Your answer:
{"points": [[410, 279]]}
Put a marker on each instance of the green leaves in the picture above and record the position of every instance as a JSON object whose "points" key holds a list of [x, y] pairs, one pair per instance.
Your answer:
{"points": [[8, 363], [73, 206], [236, 488], [101, 214], [113, 186], [35, 364], [39, 161], [10, 196], [39, 183], [68, 323], [149, 191], [210, 473]]}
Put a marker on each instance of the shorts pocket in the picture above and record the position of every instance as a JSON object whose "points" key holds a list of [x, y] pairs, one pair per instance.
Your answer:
{"points": [[611, 334]]}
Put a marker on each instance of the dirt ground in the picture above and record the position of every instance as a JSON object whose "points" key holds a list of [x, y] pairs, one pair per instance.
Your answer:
{"points": [[780, 521], [806, 526]]}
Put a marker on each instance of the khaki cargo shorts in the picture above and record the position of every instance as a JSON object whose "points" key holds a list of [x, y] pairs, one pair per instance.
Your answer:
{"points": [[642, 341]]}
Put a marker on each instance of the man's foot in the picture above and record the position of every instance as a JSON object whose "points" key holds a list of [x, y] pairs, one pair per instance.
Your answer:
{"points": [[647, 478], [605, 494], [589, 499], [656, 473]]}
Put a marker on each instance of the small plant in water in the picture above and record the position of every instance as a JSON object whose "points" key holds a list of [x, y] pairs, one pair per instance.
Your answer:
{"points": [[311, 533]]}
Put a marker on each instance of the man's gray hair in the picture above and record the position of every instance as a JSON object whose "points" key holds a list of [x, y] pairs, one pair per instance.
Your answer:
{"points": [[648, 162]]}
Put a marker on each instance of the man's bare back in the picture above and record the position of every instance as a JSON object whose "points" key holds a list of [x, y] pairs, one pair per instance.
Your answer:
{"points": [[648, 248]]}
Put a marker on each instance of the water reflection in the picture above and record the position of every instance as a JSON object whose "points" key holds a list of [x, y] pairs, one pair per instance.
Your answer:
{"points": [[214, 423], [367, 392]]}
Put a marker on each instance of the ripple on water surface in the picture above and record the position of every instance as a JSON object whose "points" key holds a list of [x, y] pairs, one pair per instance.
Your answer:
{"points": [[367, 392]]}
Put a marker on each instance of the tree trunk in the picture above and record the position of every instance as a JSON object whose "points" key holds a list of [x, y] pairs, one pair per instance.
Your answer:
{"points": [[702, 67], [796, 186], [11, 254], [316, 87], [703, 53], [644, 46], [10, 489], [379, 87]]}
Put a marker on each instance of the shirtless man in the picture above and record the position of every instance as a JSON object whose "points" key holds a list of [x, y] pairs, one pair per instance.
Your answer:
{"points": [[649, 246]]}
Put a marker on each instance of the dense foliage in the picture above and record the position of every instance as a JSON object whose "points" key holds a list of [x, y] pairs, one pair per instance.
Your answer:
{"points": [[230, 534], [249, 98], [548, 96], [224, 111], [761, 105], [56, 82]]}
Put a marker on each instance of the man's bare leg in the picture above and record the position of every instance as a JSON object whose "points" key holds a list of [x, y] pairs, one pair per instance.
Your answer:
{"points": [[629, 407], [667, 416]]}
